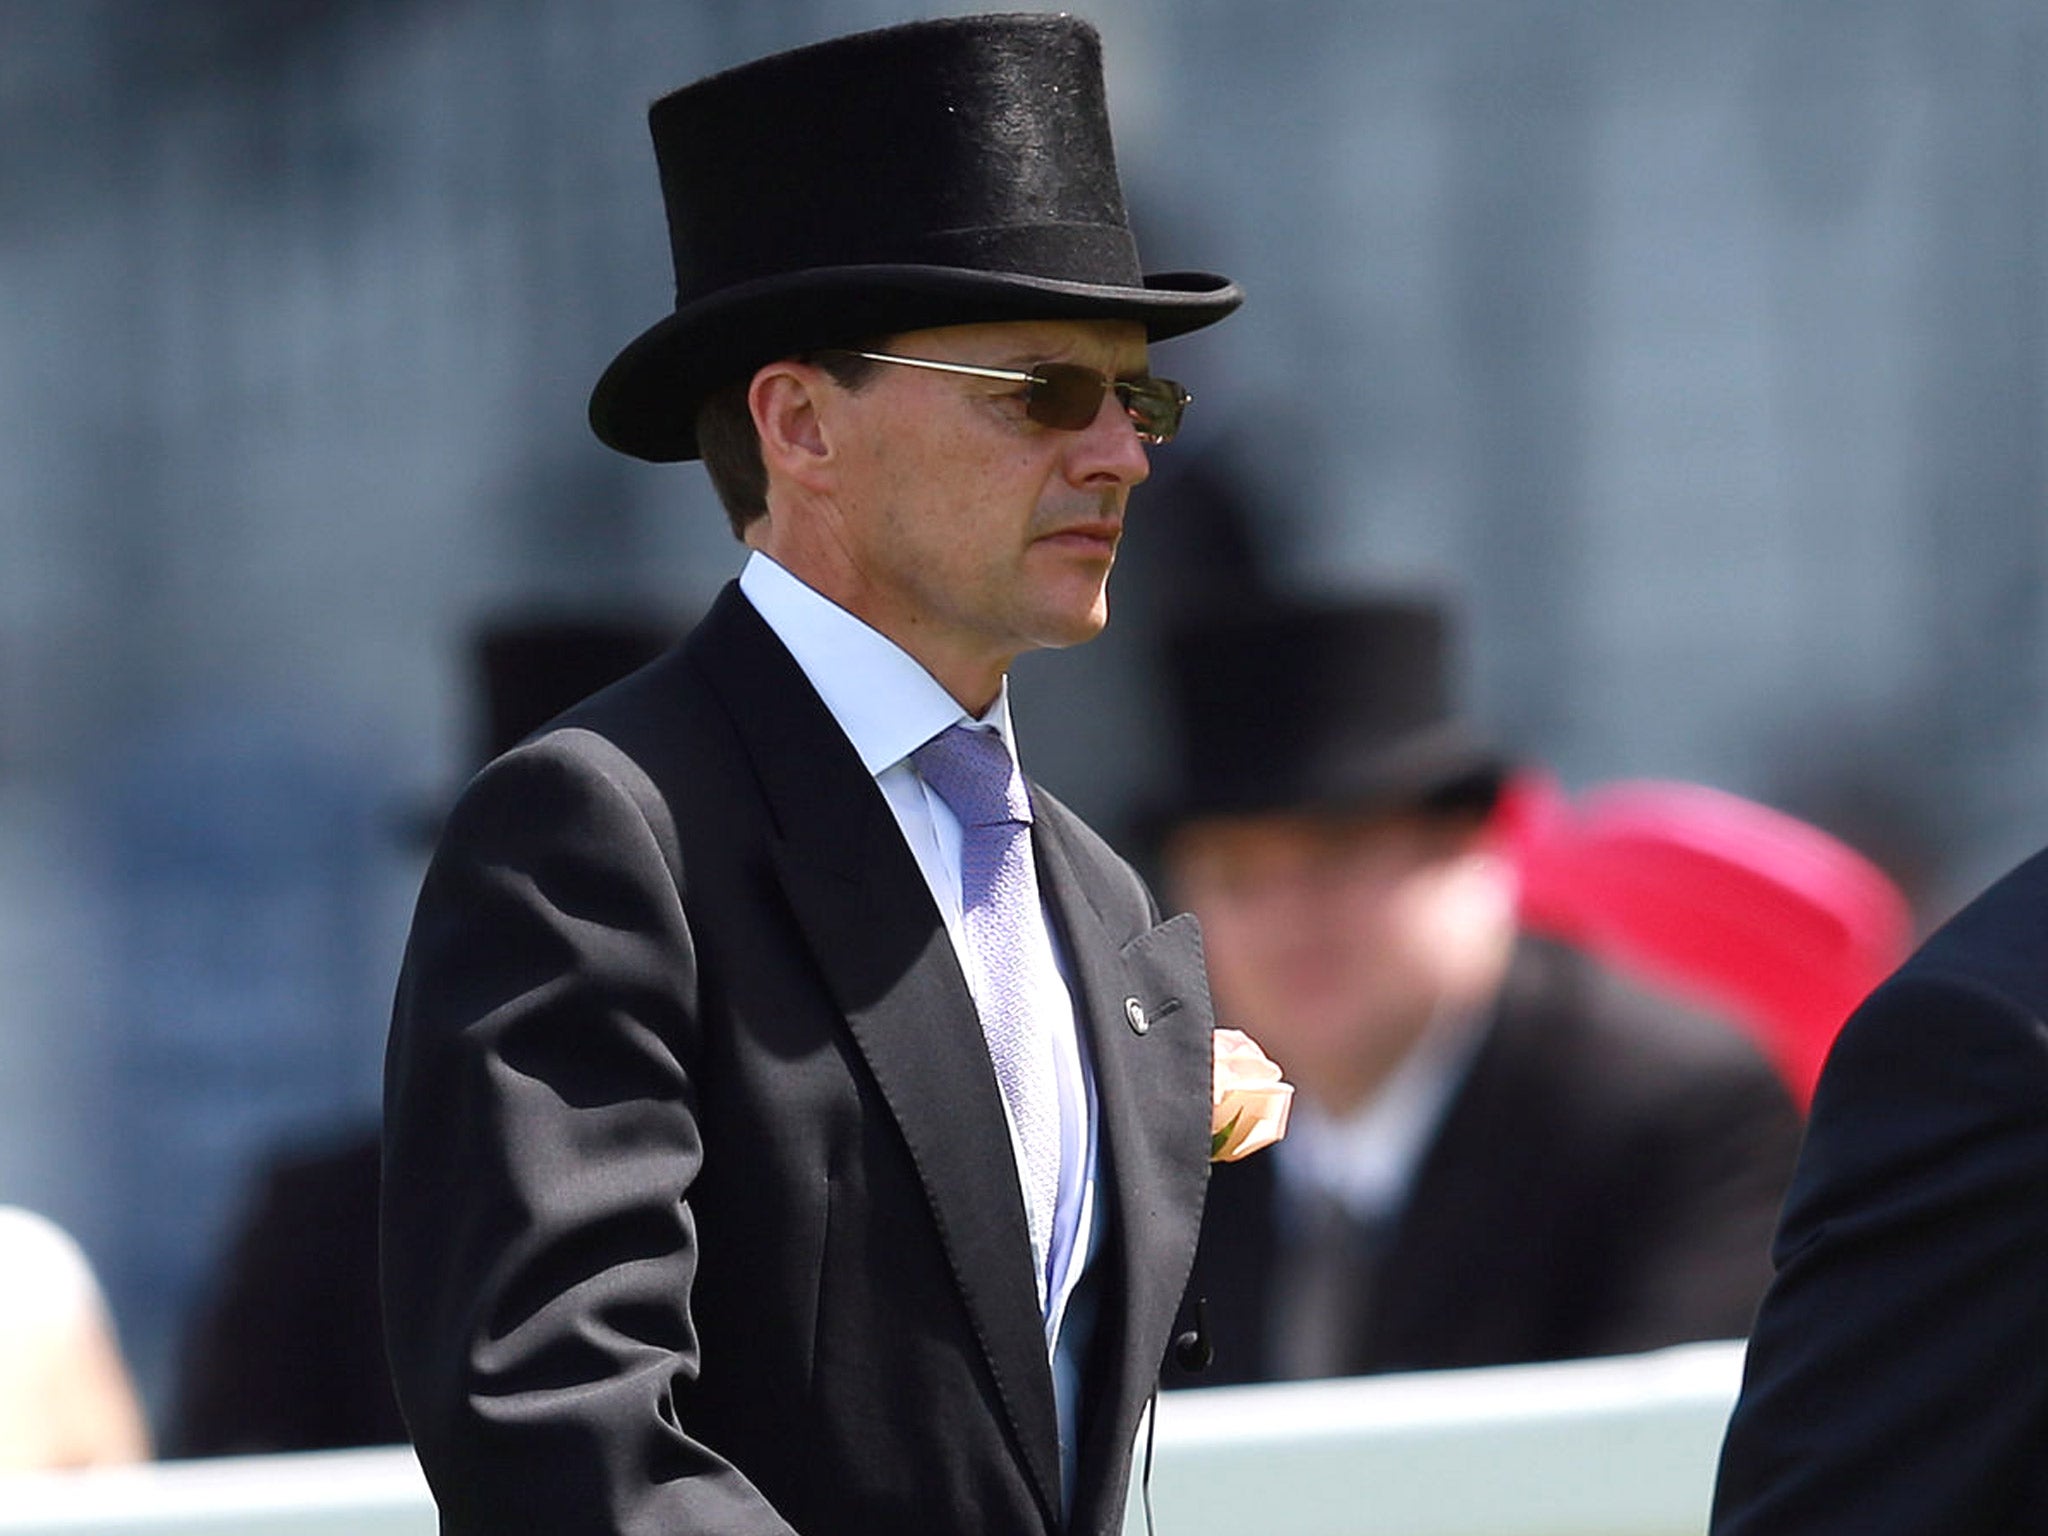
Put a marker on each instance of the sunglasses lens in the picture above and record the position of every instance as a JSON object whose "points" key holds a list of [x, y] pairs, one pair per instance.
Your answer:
{"points": [[1155, 406], [1065, 396]]}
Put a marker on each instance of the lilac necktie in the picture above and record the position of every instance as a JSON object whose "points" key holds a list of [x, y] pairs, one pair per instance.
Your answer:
{"points": [[973, 773]]}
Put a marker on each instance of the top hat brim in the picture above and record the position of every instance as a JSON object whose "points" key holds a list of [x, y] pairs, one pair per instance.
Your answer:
{"points": [[1448, 769], [646, 402]]}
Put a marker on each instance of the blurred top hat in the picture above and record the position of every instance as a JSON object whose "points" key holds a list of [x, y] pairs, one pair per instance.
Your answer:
{"points": [[1321, 706], [525, 669], [530, 669], [941, 172]]}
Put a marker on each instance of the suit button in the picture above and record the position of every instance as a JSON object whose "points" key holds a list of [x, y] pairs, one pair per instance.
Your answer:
{"points": [[1135, 1012]]}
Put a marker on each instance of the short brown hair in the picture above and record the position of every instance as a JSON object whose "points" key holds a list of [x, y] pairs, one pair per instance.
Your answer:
{"points": [[731, 448]]}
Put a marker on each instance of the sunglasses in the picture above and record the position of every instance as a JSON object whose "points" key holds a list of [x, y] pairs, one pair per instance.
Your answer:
{"points": [[1067, 396]]}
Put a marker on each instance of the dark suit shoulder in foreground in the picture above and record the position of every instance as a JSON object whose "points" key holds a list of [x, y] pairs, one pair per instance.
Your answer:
{"points": [[1897, 1382]]}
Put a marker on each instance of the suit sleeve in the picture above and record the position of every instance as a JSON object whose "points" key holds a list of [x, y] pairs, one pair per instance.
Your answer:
{"points": [[1897, 1381], [541, 1091]]}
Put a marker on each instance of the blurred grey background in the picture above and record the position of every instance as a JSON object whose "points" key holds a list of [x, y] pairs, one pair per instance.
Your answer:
{"points": [[1698, 348]]}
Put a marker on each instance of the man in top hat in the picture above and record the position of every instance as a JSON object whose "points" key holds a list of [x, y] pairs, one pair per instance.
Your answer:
{"points": [[1498, 1152], [797, 1121]]}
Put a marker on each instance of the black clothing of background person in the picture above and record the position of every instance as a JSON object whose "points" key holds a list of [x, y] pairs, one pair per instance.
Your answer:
{"points": [[1604, 1180], [288, 1352]]}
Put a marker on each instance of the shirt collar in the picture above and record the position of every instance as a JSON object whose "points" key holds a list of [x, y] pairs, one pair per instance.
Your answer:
{"points": [[1367, 1159], [882, 697]]}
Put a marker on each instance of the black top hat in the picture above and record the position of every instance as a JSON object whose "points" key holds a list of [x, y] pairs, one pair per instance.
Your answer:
{"points": [[939, 173], [530, 668], [1322, 706]]}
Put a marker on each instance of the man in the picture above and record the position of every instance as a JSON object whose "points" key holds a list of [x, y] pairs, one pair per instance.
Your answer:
{"points": [[1897, 1381], [794, 1122], [1498, 1152]]}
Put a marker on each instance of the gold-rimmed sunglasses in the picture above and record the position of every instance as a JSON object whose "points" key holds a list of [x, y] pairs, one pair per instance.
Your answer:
{"points": [[1067, 396]]}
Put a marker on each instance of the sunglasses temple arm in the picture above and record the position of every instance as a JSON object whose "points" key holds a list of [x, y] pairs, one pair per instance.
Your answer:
{"points": [[1006, 375]]}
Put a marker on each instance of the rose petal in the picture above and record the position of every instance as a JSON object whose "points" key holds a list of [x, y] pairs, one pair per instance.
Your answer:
{"points": [[1250, 1101], [1250, 1120], [1239, 1061]]}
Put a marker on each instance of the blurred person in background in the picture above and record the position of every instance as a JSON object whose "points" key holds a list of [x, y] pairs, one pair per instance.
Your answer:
{"points": [[66, 1399], [286, 1349], [1500, 1152]]}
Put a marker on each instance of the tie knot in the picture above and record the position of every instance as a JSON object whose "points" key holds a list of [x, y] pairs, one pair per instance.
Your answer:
{"points": [[972, 772]]}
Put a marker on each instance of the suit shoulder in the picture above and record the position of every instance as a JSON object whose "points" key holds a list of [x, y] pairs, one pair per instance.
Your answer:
{"points": [[1956, 1037], [634, 749], [1587, 1011], [565, 788], [1965, 1015], [1997, 943], [1601, 1060]]}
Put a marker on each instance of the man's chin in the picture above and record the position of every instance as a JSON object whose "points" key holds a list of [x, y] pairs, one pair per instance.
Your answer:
{"points": [[1076, 628]]}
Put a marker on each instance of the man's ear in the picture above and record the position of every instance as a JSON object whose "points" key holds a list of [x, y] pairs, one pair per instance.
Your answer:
{"points": [[784, 399]]}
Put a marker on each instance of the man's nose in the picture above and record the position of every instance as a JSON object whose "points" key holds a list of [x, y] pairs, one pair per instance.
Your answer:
{"points": [[1108, 451]]}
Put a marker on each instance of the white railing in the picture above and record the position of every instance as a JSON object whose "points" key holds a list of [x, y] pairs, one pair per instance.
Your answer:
{"points": [[1622, 1447], [317, 1493], [1592, 1448]]}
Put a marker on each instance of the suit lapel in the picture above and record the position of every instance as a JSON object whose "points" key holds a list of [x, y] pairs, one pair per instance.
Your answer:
{"points": [[870, 923], [1146, 1018]]}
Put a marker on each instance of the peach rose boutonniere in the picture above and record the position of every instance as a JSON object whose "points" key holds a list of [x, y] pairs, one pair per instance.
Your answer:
{"points": [[1250, 1102]]}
